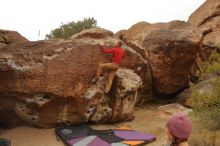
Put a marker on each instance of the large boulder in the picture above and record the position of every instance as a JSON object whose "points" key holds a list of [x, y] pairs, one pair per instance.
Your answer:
{"points": [[208, 10], [207, 19], [123, 97], [170, 48], [44, 83]]}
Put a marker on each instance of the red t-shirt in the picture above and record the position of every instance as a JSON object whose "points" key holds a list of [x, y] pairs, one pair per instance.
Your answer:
{"points": [[118, 54]]}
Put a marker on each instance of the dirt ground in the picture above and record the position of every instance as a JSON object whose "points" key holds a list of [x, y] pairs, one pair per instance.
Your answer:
{"points": [[147, 120]]}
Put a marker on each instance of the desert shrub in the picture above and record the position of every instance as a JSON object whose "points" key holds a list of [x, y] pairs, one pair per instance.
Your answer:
{"points": [[71, 28], [206, 106]]}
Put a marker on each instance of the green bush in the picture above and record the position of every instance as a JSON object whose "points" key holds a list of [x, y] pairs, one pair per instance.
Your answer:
{"points": [[212, 66], [207, 105], [71, 28]]}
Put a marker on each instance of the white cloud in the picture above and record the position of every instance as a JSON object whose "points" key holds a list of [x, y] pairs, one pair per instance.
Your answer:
{"points": [[29, 16]]}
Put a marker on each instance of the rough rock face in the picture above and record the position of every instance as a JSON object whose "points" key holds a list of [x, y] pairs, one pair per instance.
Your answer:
{"points": [[9, 37], [170, 48], [120, 33], [213, 24], [119, 104], [210, 9], [207, 19], [44, 83], [212, 39]]}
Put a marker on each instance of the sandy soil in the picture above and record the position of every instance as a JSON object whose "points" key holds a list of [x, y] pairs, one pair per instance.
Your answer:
{"points": [[146, 121]]}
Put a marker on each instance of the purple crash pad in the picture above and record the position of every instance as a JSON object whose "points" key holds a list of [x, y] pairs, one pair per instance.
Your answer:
{"points": [[133, 135], [75, 140], [98, 142]]}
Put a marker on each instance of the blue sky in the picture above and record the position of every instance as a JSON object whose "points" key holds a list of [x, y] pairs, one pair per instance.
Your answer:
{"points": [[29, 16]]}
